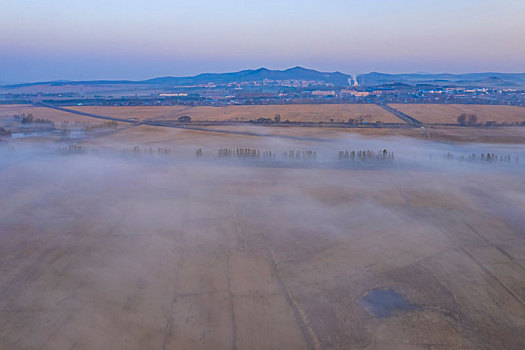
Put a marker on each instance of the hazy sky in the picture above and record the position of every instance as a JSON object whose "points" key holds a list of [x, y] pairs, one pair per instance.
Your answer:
{"points": [[135, 39]]}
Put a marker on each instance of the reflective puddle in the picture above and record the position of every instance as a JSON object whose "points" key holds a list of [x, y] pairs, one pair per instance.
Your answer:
{"points": [[385, 302]]}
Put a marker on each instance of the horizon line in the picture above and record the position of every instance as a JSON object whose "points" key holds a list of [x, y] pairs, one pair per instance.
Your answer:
{"points": [[7, 83]]}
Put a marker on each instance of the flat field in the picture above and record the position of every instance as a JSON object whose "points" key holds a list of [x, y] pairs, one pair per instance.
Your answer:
{"points": [[135, 112], [447, 114], [305, 113], [427, 113], [112, 248], [53, 115]]}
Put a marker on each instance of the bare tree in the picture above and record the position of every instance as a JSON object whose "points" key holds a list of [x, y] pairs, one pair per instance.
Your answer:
{"points": [[467, 119], [472, 119], [462, 119]]}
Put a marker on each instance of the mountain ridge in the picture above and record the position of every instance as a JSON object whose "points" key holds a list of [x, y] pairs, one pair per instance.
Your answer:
{"points": [[300, 73], [489, 79]]}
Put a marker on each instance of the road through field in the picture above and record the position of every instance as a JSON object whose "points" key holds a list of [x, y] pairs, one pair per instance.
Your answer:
{"points": [[177, 126], [403, 116]]}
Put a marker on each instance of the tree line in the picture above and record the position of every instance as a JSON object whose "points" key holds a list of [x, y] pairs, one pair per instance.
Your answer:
{"points": [[29, 119], [366, 155]]}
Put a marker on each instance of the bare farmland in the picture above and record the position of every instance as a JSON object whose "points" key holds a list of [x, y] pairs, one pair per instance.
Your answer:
{"points": [[447, 114], [138, 251], [55, 116], [134, 112], [304, 113]]}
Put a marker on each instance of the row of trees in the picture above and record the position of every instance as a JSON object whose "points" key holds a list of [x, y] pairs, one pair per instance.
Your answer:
{"points": [[467, 119], [360, 120], [366, 155], [149, 150], [29, 119], [360, 155], [243, 153], [483, 157], [73, 149], [292, 154], [255, 153]]}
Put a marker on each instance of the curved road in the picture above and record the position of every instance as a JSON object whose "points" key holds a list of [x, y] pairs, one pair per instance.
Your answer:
{"points": [[176, 126]]}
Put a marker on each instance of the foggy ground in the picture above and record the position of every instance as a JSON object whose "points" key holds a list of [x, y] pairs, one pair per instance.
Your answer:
{"points": [[120, 249]]}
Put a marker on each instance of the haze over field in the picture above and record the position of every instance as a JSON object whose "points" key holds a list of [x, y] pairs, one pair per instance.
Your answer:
{"points": [[153, 250], [261, 175]]}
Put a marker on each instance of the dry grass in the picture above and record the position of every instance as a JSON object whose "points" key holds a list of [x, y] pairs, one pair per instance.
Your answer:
{"points": [[53, 115], [181, 139], [304, 113], [129, 253], [45, 113], [295, 112], [439, 113], [135, 112]]}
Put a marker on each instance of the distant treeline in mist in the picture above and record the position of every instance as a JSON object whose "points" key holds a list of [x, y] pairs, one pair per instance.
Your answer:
{"points": [[345, 156], [483, 157], [367, 155]]}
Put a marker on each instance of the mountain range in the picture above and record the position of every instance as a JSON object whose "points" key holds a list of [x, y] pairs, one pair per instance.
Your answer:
{"points": [[488, 79], [295, 73], [339, 79]]}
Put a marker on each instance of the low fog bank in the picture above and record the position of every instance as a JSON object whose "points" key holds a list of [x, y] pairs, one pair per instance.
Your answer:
{"points": [[353, 152], [159, 245], [327, 172]]}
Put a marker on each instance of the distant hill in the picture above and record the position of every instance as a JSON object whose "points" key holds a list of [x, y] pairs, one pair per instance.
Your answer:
{"points": [[295, 73], [488, 79]]}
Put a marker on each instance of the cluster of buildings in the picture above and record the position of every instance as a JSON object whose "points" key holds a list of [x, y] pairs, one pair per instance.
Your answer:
{"points": [[275, 91]]}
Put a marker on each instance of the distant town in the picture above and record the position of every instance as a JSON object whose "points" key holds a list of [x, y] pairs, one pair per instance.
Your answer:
{"points": [[292, 86]]}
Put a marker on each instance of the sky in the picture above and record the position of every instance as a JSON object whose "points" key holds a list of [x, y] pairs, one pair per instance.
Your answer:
{"points": [[137, 39]]}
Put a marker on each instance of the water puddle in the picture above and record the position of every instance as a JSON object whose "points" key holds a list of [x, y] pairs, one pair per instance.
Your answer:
{"points": [[385, 302]]}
